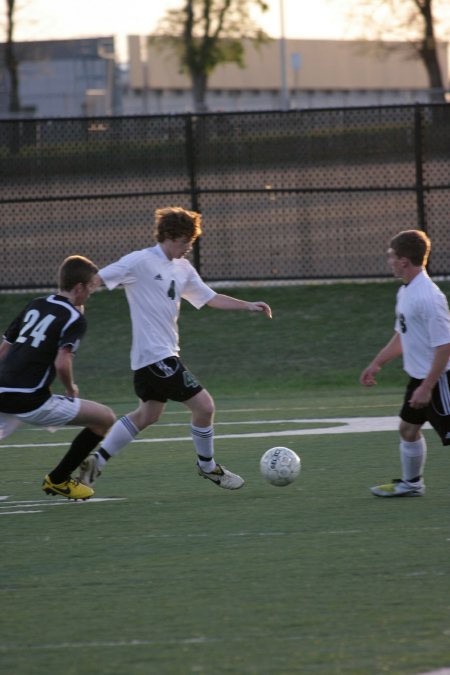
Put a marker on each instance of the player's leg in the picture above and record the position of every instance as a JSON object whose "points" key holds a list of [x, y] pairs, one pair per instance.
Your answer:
{"points": [[148, 387], [96, 416], [123, 431], [438, 412], [202, 431], [60, 411], [96, 419], [8, 424], [413, 452]]}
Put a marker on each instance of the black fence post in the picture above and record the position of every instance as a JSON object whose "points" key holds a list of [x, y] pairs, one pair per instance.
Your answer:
{"points": [[192, 173], [418, 151]]}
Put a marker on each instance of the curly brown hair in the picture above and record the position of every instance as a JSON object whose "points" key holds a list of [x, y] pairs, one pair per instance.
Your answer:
{"points": [[174, 222]]}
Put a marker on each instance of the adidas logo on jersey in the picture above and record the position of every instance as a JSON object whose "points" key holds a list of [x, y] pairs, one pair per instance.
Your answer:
{"points": [[158, 277]]}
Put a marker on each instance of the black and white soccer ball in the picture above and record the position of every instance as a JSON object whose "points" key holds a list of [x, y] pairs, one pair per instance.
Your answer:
{"points": [[280, 466]]}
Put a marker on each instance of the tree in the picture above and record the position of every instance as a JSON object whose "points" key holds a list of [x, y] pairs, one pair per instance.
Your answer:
{"points": [[11, 62], [427, 49], [410, 20], [206, 33]]}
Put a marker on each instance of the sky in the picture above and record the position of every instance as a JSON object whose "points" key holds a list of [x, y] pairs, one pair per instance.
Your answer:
{"points": [[62, 19]]}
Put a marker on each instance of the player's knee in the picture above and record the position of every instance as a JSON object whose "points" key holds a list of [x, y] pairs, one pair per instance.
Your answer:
{"points": [[208, 405], [105, 421], [143, 417], [409, 432], [208, 409], [110, 418]]}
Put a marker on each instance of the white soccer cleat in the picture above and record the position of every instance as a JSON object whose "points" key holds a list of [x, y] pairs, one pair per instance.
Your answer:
{"points": [[89, 472], [222, 477], [400, 488]]}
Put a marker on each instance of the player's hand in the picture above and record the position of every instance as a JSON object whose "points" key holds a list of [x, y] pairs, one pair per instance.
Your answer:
{"points": [[72, 392], [367, 377], [421, 397], [261, 307]]}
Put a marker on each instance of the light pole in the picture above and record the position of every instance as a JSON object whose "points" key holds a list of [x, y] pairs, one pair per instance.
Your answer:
{"points": [[284, 99], [110, 57]]}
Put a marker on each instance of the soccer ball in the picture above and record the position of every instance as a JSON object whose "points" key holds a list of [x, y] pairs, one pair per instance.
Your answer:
{"points": [[280, 466]]}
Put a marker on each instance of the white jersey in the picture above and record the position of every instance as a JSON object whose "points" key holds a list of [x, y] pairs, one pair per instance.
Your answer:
{"points": [[423, 322], [154, 286]]}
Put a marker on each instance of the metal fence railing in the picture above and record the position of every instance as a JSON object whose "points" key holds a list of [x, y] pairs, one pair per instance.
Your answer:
{"points": [[284, 195]]}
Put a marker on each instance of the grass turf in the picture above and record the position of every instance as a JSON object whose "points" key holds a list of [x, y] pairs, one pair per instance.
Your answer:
{"points": [[181, 577]]}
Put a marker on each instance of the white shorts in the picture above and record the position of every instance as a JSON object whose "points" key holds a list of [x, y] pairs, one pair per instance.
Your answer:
{"points": [[57, 411]]}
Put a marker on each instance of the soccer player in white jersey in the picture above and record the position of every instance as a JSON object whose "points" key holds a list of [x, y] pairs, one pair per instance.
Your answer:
{"points": [[38, 345], [155, 280], [422, 337]]}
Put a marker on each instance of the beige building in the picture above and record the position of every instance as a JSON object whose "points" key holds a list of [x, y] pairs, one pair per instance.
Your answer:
{"points": [[318, 74]]}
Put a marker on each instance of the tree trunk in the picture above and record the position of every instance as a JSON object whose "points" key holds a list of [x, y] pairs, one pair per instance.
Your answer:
{"points": [[11, 63], [429, 54], [12, 68], [199, 86]]}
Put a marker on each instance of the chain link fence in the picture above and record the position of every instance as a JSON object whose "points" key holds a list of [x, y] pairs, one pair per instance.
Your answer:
{"points": [[284, 195]]}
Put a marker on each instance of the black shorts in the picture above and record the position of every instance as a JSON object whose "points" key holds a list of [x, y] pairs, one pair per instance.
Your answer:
{"points": [[165, 380], [437, 412]]}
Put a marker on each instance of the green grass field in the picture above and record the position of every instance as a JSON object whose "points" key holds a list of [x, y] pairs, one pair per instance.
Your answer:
{"points": [[165, 574]]}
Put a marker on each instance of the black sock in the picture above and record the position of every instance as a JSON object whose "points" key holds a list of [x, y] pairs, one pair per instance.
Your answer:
{"points": [[82, 445], [101, 451]]}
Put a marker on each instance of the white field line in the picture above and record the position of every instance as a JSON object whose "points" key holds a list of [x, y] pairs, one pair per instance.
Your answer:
{"points": [[194, 640], [284, 409], [197, 640], [338, 425], [14, 513], [35, 505], [57, 502]]}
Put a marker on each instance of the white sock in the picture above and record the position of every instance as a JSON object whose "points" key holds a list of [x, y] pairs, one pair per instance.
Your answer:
{"points": [[121, 433], [413, 456], [203, 438]]}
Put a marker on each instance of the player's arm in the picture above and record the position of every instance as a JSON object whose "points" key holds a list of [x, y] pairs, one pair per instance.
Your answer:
{"points": [[220, 301], [422, 394], [390, 351], [64, 370]]}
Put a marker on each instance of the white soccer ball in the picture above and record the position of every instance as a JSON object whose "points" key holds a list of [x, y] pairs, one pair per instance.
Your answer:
{"points": [[280, 466]]}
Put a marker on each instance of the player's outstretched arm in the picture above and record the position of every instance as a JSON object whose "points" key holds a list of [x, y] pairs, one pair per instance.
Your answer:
{"points": [[220, 301]]}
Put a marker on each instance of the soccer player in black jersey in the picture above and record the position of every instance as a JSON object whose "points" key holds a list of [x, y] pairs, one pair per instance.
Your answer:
{"points": [[38, 346]]}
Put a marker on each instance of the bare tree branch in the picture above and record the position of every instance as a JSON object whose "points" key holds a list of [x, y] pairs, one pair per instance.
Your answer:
{"points": [[412, 21]]}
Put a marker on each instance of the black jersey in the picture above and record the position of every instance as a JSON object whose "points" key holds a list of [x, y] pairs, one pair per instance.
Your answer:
{"points": [[36, 335]]}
